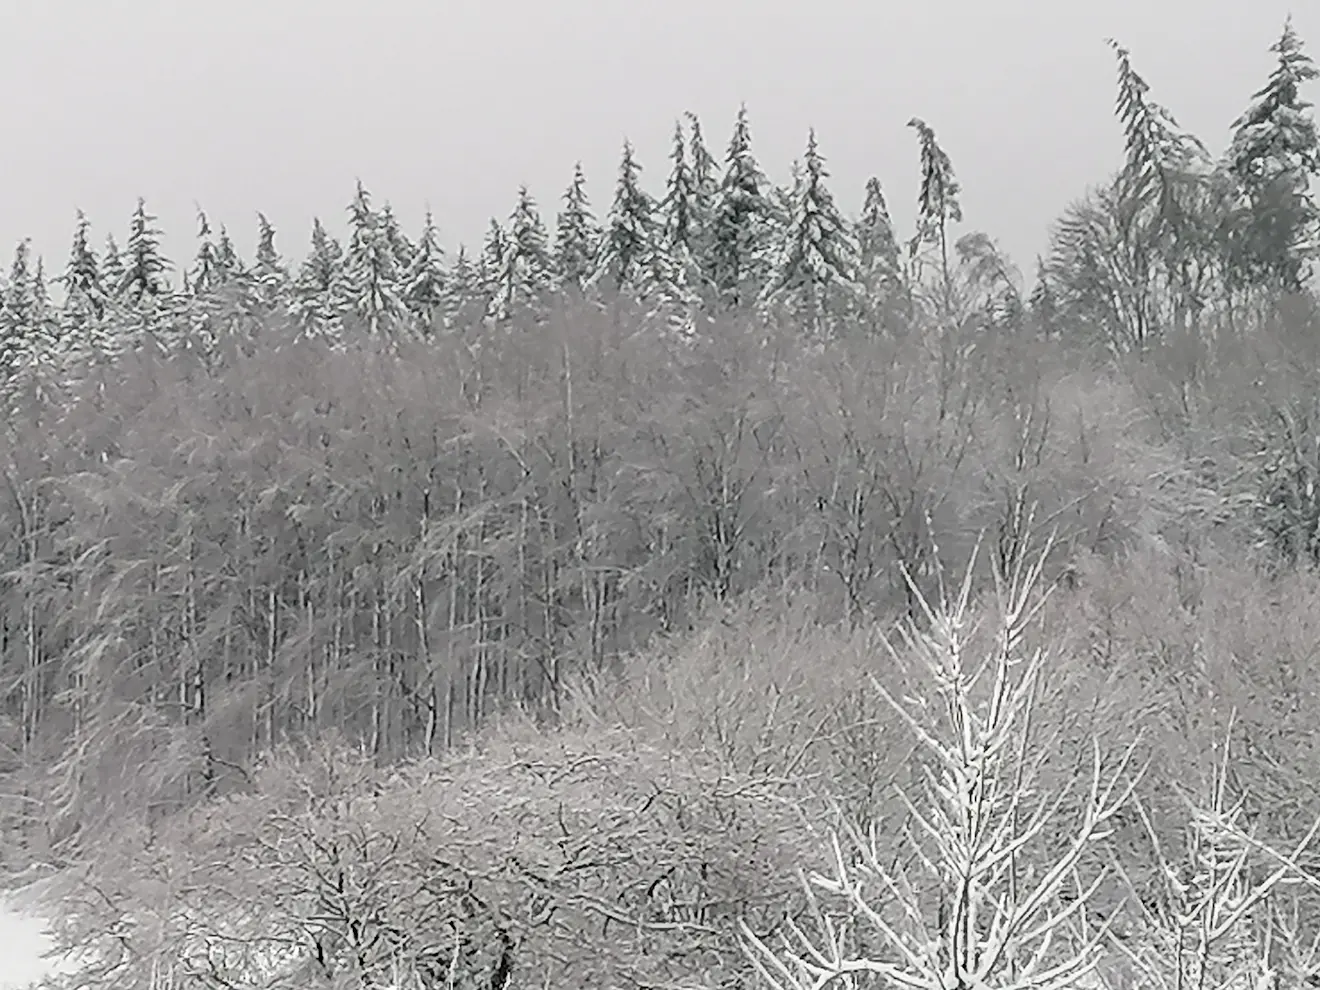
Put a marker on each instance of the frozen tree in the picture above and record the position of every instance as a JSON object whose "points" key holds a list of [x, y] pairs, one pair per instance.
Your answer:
{"points": [[741, 233], [1274, 154], [679, 222], [880, 262], [684, 215], [526, 270], [815, 276], [490, 265], [705, 172], [465, 297], [371, 268], [269, 274], [28, 332], [84, 293], [112, 267], [938, 205], [145, 267], [629, 241], [319, 292], [423, 284], [577, 234]]}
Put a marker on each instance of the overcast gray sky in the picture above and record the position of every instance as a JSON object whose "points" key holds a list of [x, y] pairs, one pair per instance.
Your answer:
{"points": [[278, 105]]}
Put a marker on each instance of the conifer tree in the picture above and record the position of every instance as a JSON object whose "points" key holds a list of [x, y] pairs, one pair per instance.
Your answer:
{"points": [[526, 269], [629, 241], [880, 262], [815, 278], [423, 285], [684, 215], [269, 275], [84, 293], [740, 238], [145, 267], [372, 268], [319, 293], [577, 234], [112, 268], [490, 266], [1275, 152], [465, 291], [937, 204], [705, 173], [27, 331], [678, 220]]}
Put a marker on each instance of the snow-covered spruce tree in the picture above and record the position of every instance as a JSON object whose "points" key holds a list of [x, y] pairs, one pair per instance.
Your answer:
{"points": [[29, 331], [270, 276], [885, 301], [1274, 154], [83, 311], [423, 284], [465, 299], [705, 174], [319, 294], [145, 277], [938, 206], [527, 270], [112, 268], [577, 235], [1004, 852], [814, 281], [740, 242], [490, 266], [630, 237], [371, 268]]}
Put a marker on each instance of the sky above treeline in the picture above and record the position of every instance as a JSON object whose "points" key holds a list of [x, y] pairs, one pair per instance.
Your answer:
{"points": [[281, 105]]}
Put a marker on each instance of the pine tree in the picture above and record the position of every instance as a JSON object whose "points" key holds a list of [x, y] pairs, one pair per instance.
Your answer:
{"points": [[577, 234], [319, 293], [1274, 154], [423, 285], [740, 239], [145, 267], [526, 269], [815, 278], [880, 262], [628, 243]]}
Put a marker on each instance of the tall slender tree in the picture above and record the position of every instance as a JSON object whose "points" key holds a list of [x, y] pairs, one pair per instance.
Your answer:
{"points": [[577, 234], [527, 270], [629, 241], [423, 283], [740, 241], [145, 274], [815, 277], [938, 205]]}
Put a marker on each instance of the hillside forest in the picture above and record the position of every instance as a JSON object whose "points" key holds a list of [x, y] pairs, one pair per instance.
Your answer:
{"points": [[705, 590]]}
